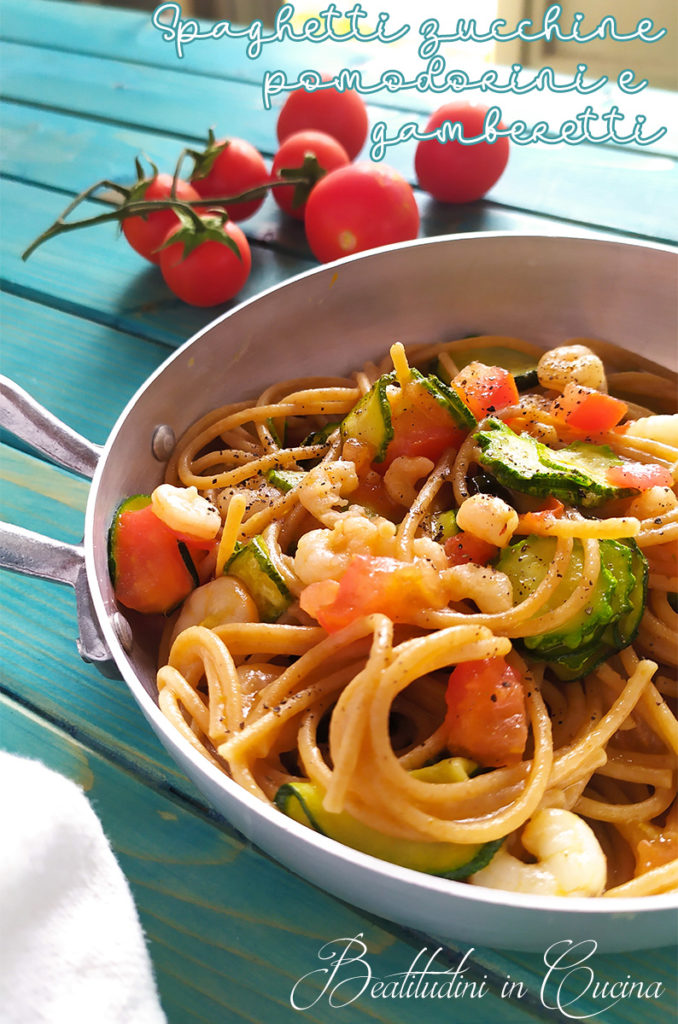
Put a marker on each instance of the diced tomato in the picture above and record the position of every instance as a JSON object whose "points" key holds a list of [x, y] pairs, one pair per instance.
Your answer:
{"points": [[423, 428], [588, 410], [466, 547], [639, 474], [485, 389], [371, 494], [534, 522], [486, 716], [658, 850], [151, 574], [373, 584]]}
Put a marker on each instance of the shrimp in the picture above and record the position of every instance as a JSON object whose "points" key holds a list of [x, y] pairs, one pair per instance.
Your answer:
{"points": [[222, 600], [491, 590], [571, 364], [324, 487], [186, 511], [570, 861], [489, 518], [325, 554]]}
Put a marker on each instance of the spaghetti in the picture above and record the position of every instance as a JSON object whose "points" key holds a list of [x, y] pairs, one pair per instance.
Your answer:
{"points": [[368, 603]]}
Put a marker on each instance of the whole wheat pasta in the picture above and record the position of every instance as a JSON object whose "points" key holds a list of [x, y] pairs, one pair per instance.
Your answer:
{"points": [[349, 691]]}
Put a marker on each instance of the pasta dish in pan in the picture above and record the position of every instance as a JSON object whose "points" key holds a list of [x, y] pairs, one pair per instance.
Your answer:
{"points": [[430, 611]]}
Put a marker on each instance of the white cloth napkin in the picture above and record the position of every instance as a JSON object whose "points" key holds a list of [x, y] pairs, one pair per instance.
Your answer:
{"points": [[71, 946]]}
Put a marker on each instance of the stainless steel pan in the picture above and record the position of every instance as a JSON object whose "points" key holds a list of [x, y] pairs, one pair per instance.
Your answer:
{"points": [[546, 289]]}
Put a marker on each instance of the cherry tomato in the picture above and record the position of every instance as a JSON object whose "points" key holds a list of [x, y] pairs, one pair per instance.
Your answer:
{"points": [[228, 167], [453, 172], [201, 266], [422, 428], [588, 410], [311, 150], [464, 547], [147, 233], [373, 584], [343, 115], [485, 389], [151, 571], [486, 718], [642, 475], [359, 207]]}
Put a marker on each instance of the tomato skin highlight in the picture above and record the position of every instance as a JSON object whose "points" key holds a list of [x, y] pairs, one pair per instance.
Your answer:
{"points": [[358, 207], [588, 410], [343, 115], [211, 273], [151, 575], [486, 717], [146, 234], [639, 474], [237, 167], [369, 585], [485, 389], [453, 172], [329, 153], [464, 548]]}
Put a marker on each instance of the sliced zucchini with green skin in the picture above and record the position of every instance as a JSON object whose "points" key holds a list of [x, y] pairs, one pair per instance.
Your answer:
{"points": [[576, 475], [627, 625], [370, 420], [522, 365], [252, 565], [302, 801], [448, 398], [285, 479], [320, 436], [132, 504], [606, 625], [443, 525], [526, 564], [618, 634]]}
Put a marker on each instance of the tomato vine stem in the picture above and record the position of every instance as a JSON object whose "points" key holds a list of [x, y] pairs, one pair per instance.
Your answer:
{"points": [[125, 209]]}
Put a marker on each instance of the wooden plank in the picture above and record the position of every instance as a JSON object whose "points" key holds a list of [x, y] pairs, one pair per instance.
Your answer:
{"points": [[108, 34], [104, 280], [41, 667], [571, 182], [230, 931], [76, 146], [84, 372]]}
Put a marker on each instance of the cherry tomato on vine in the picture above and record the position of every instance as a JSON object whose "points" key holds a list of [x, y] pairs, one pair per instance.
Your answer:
{"points": [[205, 264], [227, 167], [311, 152], [453, 172], [343, 115], [359, 207], [147, 233]]}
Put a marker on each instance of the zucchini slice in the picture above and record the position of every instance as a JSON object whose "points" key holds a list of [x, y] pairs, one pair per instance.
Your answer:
{"points": [[302, 801], [252, 565], [608, 622], [132, 504], [577, 474], [285, 479], [370, 420]]}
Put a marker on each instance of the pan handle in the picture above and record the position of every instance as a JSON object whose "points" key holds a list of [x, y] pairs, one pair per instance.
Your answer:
{"points": [[26, 419], [30, 553]]}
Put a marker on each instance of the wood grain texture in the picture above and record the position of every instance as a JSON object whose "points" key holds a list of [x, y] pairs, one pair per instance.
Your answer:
{"points": [[230, 931], [84, 322]]}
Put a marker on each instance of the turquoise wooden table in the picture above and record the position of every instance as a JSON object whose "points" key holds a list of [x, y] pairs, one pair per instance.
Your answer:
{"points": [[84, 322]]}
